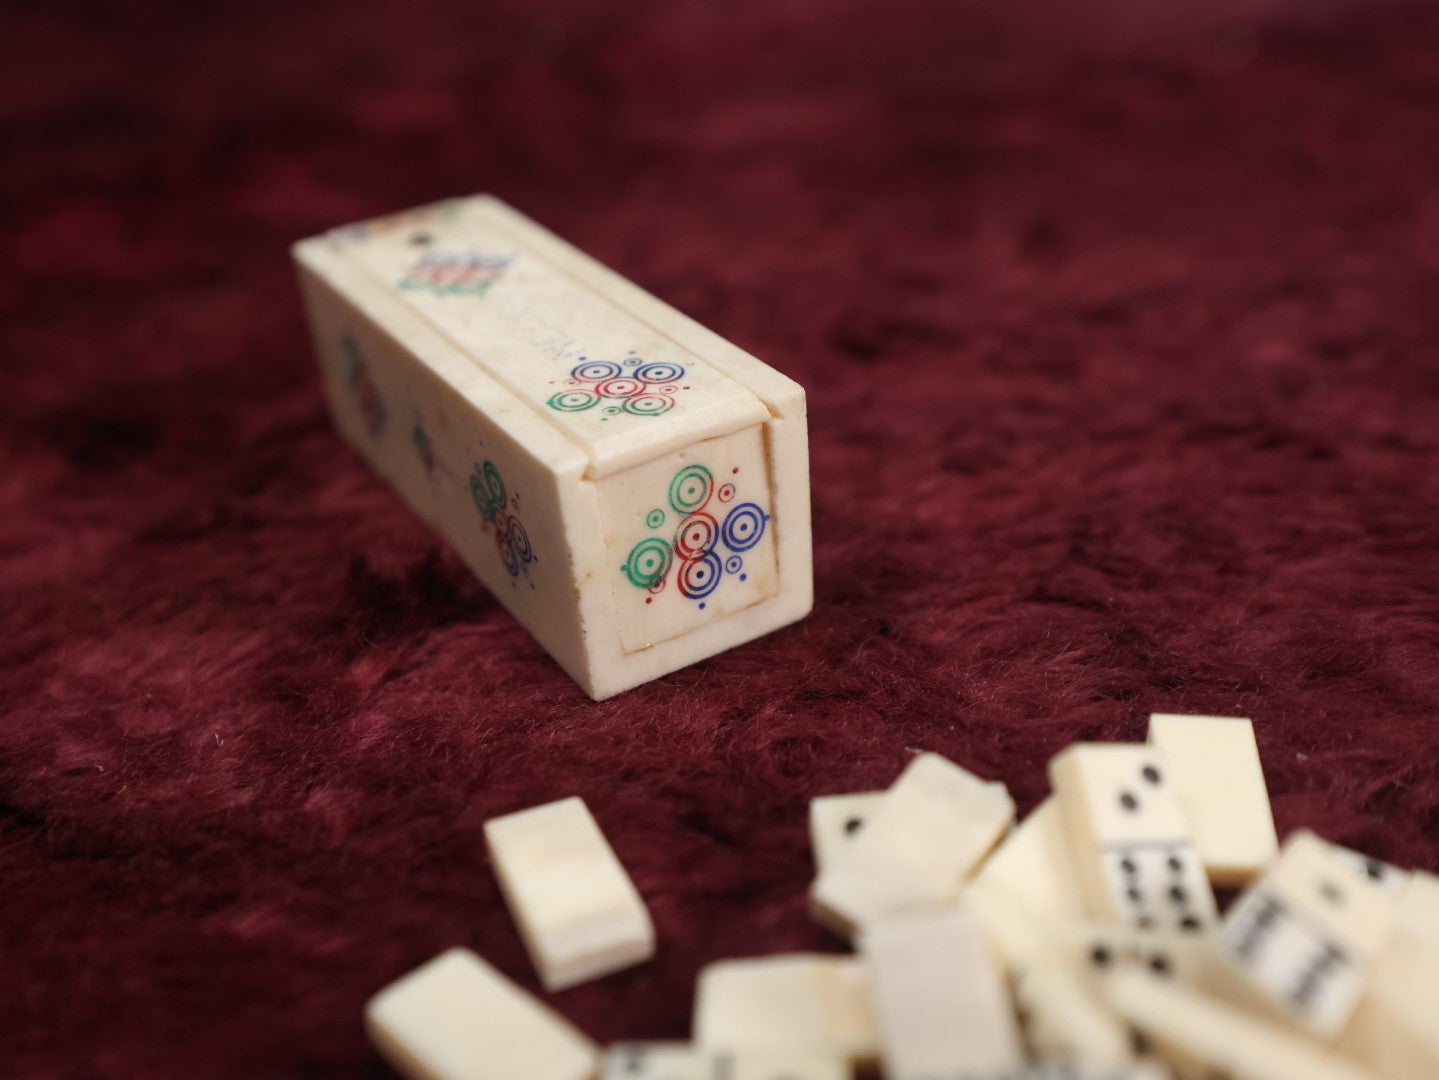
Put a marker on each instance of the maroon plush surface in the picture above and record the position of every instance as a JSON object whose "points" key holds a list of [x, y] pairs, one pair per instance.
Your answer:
{"points": [[1120, 325]]}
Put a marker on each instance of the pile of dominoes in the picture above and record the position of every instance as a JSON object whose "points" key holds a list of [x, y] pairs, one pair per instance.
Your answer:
{"points": [[1083, 942]]}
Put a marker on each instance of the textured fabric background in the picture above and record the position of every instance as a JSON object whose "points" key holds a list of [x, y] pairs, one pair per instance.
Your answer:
{"points": [[1119, 325]]}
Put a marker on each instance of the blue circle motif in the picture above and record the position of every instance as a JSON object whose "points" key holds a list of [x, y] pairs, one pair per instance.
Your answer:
{"points": [[661, 371], [509, 557], [520, 541], [743, 527], [701, 576], [596, 371]]}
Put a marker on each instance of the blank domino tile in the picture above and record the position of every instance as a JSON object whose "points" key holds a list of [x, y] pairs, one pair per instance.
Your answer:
{"points": [[778, 1067], [457, 1018], [654, 1061], [1214, 1039], [1132, 845], [1065, 1019], [1304, 938], [800, 1003], [1214, 765], [1069, 1070], [1016, 937], [681, 1061], [1395, 1029], [1013, 934], [1416, 923], [1033, 865], [577, 910], [834, 821], [940, 1002], [929, 831]]}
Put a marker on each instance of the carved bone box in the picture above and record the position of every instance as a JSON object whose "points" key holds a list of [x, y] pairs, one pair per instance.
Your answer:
{"points": [[632, 487]]}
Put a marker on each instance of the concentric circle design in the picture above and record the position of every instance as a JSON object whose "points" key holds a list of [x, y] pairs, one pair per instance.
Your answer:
{"points": [[659, 372], [667, 388], [633, 361], [649, 561], [488, 490], [743, 527], [622, 387], [610, 410], [658, 586], [507, 553], [733, 565], [574, 400], [695, 536], [596, 371], [520, 540], [691, 489], [700, 577], [726, 492], [649, 404], [655, 518]]}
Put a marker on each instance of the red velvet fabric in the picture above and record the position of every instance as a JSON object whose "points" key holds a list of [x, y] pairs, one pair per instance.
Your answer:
{"points": [[1118, 320]]}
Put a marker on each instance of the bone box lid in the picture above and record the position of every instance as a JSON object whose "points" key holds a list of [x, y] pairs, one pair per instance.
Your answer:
{"points": [[621, 375]]}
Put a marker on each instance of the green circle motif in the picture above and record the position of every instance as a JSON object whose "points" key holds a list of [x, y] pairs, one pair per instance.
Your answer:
{"points": [[655, 518], [648, 563], [691, 488], [573, 400], [488, 490], [648, 404]]}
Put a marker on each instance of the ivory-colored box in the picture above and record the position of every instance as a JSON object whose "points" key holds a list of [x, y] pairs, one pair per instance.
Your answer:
{"points": [[631, 486]]}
